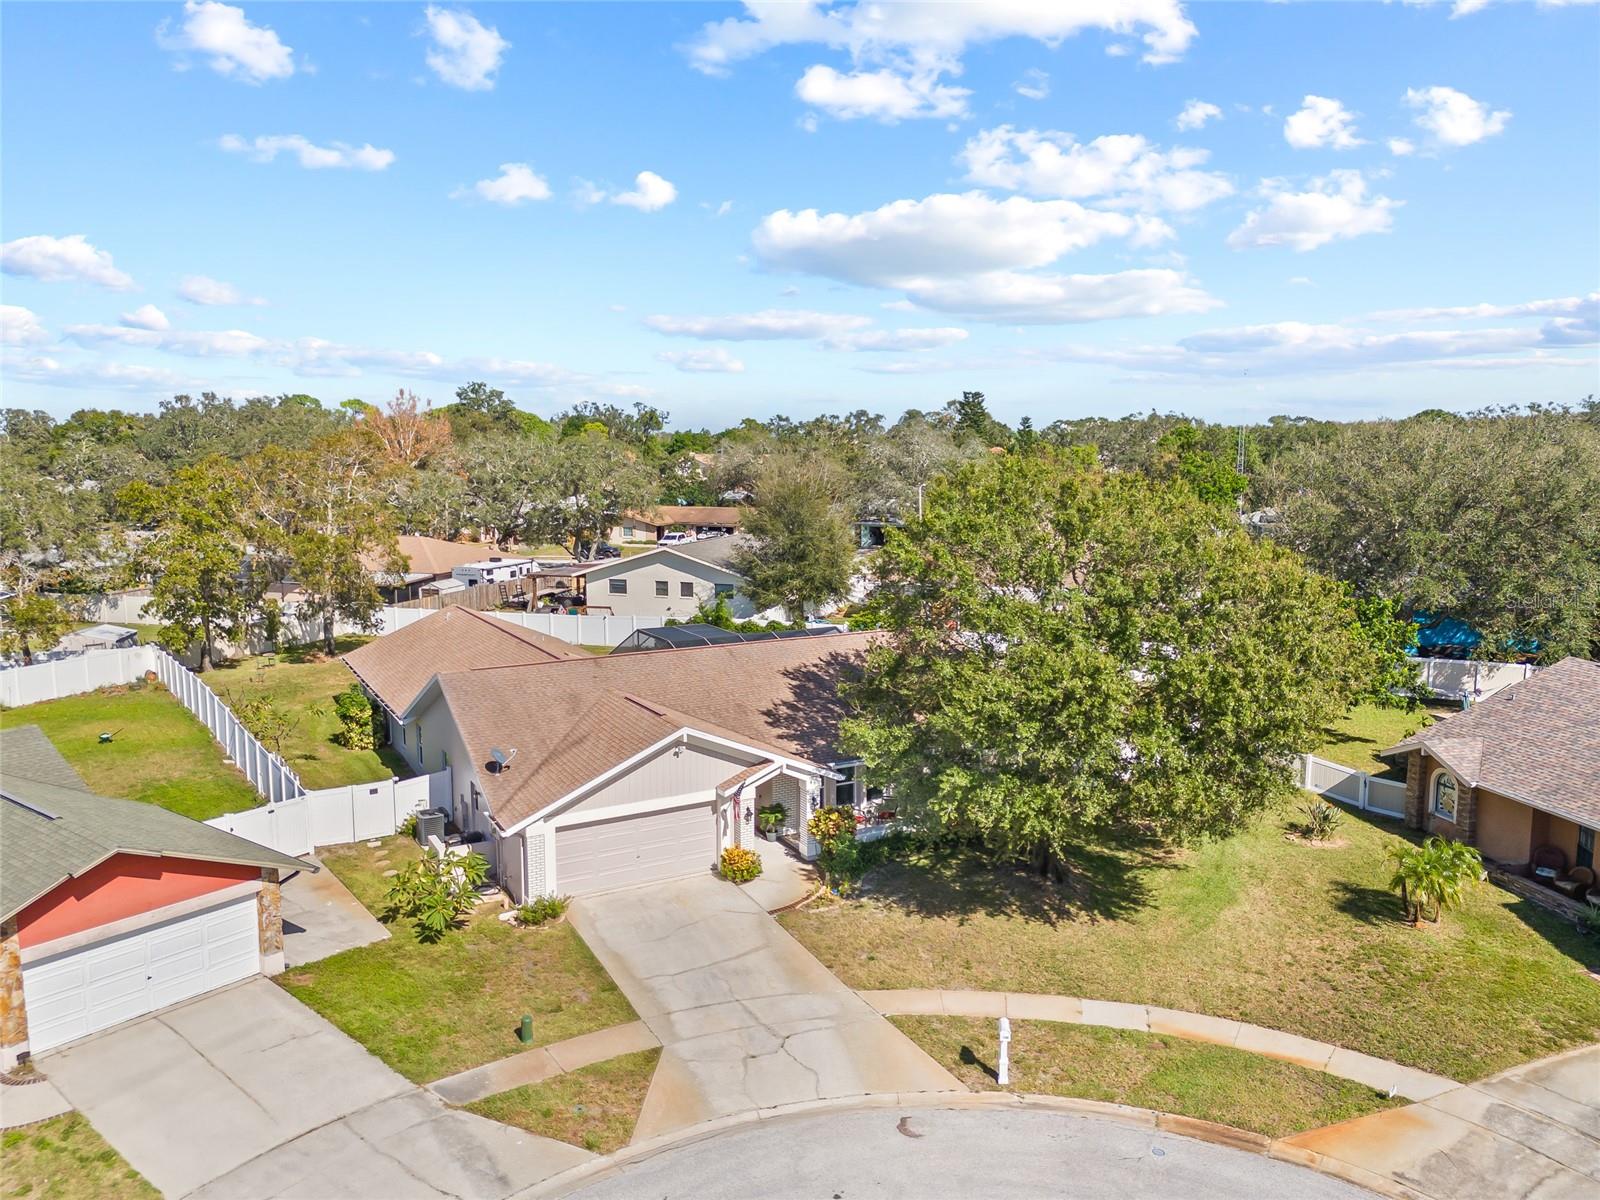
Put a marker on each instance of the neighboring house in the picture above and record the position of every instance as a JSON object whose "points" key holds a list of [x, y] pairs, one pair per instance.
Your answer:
{"points": [[670, 582], [110, 909], [427, 559], [1516, 773], [699, 519], [624, 768]]}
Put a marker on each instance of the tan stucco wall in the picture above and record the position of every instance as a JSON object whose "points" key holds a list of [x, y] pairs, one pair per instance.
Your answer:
{"points": [[1563, 835], [1505, 828]]}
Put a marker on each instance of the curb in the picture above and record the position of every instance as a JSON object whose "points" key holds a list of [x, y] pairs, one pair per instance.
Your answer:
{"points": [[1121, 1114]]}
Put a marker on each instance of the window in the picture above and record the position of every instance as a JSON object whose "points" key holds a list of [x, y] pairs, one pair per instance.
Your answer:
{"points": [[1444, 796], [1585, 848], [619, 587], [627, 533], [686, 589], [661, 587], [844, 791], [419, 746], [444, 760], [477, 797], [723, 589]]}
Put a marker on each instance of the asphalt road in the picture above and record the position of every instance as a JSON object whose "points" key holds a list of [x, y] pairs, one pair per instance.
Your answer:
{"points": [[945, 1154]]}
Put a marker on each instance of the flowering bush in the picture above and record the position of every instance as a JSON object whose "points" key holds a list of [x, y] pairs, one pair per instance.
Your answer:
{"points": [[740, 865]]}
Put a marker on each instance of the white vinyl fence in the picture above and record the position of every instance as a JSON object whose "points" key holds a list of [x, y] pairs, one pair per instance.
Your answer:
{"points": [[1385, 797], [1451, 678], [69, 676], [594, 629], [334, 816]]}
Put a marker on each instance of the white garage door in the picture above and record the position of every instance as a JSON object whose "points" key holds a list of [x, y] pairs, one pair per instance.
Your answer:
{"points": [[629, 850], [74, 994]]}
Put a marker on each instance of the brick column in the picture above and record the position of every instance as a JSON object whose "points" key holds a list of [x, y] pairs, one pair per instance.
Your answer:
{"points": [[13, 1010], [1416, 790], [1466, 814], [269, 922]]}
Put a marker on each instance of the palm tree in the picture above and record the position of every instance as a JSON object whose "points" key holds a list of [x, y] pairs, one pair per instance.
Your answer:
{"points": [[1435, 873]]}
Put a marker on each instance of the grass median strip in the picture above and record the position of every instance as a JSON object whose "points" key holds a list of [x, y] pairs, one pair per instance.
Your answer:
{"points": [[1192, 1079], [64, 1158], [430, 1011], [595, 1107]]}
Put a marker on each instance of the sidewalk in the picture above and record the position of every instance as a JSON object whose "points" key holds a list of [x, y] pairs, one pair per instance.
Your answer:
{"points": [[542, 1062], [1377, 1073]]}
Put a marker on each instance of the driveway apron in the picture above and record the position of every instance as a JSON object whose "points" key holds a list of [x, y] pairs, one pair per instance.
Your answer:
{"points": [[746, 1017]]}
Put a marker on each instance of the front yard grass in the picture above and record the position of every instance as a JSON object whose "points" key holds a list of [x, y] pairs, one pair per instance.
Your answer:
{"points": [[305, 681], [161, 754], [1257, 928], [432, 1010], [1366, 729], [64, 1158], [595, 1107], [1192, 1079]]}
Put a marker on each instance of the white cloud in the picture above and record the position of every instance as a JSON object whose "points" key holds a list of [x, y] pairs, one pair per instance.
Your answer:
{"points": [[1564, 306], [1034, 84], [1401, 147], [883, 95], [914, 366], [70, 259], [773, 324], [463, 52], [53, 372], [234, 47], [712, 360], [516, 184], [146, 316], [1463, 8], [925, 31], [1047, 298], [1196, 113], [1125, 169], [897, 340], [202, 289], [650, 193], [20, 326], [1322, 122], [1333, 208], [222, 343], [365, 157], [1453, 118], [1301, 281]]}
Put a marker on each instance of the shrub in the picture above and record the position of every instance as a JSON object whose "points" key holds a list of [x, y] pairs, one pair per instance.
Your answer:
{"points": [[355, 715], [435, 892], [408, 827], [740, 865], [832, 825], [770, 817], [268, 721], [1321, 820], [1434, 873], [541, 909]]}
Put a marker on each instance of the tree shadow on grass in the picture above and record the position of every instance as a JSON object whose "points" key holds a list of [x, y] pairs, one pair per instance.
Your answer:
{"points": [[1368, 905]]}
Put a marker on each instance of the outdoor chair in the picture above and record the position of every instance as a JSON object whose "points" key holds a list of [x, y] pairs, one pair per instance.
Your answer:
{"points": [[1548, 862], [1575, 882]]}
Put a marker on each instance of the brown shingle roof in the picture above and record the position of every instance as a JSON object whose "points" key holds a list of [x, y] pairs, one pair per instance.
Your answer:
{"points": [[398, 666], [572, 721], [431, 556], [692, 514], [1537, 741]]}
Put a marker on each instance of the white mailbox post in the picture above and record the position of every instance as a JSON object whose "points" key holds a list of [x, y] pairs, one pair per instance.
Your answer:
{"points": [[1004, 1071]]}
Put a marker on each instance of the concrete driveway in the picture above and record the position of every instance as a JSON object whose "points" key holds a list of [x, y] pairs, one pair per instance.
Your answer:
{"points": [[1530, 1133], [247, 1094], [321, 918], [746, 1017]]}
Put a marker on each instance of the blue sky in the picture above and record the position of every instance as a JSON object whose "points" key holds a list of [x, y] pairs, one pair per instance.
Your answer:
{"points": [[731, 210]]}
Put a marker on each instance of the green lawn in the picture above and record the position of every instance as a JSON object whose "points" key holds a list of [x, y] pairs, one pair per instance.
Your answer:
{"points": [[1192, 1079], [305, 681], [1257, 928], [161, 754], [65, 1159], [1367, 729], [431, 1011], [595, 1107]]}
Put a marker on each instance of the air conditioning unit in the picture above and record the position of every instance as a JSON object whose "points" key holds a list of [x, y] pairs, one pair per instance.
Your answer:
{"points": [[430, 824]]}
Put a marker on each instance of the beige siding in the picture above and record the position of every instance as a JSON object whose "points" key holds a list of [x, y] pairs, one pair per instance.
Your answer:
{"points": [[642, 576], [665, 781], [442, 743], [1505, 828], [1564, 836]]}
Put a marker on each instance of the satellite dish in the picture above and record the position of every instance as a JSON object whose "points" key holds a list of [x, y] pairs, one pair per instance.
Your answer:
{"points": [[502, 758]]}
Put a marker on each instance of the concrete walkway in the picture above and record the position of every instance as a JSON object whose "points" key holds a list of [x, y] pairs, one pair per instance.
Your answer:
{"points": [[321, 918], [785, 877], [746, 1017], [542, 1062], [1377, 1073], [27, 1104], [1530, 1133]]}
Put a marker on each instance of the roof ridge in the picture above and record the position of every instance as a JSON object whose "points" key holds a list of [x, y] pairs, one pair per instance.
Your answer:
{"points": [[594, 658]]}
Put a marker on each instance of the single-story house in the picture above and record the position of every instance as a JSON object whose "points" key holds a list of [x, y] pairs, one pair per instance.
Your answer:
{"points": [[667, 582], [1516, 774], [427, 559], [110, 909], [596, 772], [699, 519]]}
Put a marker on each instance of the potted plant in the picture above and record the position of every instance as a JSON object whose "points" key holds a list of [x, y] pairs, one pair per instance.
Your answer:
{"points": [[770, 819]]}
